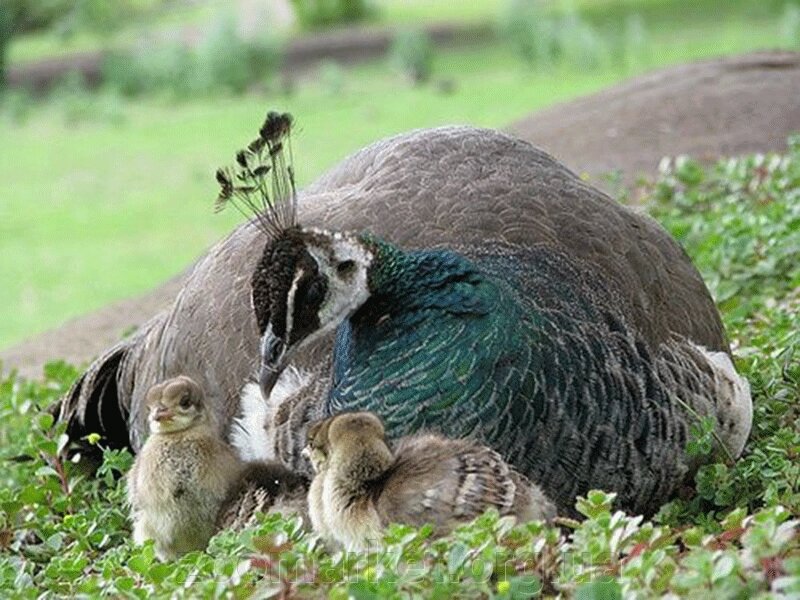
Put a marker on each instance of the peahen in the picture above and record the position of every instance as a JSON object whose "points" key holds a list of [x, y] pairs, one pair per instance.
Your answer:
{"points": [[495, 203], [528, 349]]}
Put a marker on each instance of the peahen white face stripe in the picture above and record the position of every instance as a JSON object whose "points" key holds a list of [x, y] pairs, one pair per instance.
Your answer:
{"points": [[290, 303]]}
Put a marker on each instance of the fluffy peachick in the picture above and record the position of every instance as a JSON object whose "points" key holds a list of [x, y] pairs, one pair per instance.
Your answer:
{"points": [[187, 483], [362, 485]]}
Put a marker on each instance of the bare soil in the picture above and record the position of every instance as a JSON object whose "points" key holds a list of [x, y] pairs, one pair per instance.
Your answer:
{"points": [[724, 107]]}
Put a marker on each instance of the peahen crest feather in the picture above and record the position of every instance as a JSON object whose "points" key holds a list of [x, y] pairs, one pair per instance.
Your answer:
{"points": [[261, 185]]}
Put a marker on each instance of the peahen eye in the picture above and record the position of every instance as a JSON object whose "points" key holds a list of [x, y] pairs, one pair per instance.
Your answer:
{"points": [[345, 268], [315, 292], [186, 401]]}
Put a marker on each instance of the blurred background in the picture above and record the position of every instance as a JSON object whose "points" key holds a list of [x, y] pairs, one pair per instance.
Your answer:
{"points": [[114, 114]]}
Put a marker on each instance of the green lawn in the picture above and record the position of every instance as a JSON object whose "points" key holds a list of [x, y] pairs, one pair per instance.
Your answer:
{"points": [[102, 209]]}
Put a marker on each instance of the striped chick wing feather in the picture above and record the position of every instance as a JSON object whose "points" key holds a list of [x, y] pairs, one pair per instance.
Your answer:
{"points": [[444, 482], [263, 487]]}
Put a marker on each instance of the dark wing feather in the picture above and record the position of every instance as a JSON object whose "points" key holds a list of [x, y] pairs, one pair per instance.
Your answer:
{"points": [[93, 405]]}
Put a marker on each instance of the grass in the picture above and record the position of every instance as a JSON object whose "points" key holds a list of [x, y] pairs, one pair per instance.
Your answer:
{"points": [[738, 536]]}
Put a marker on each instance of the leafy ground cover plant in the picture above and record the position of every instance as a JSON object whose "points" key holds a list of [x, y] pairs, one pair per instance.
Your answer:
{"points": [[63, 533]]}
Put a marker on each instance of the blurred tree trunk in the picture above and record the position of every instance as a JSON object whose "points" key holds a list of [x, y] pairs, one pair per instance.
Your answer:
{"points": [[6, 28]]}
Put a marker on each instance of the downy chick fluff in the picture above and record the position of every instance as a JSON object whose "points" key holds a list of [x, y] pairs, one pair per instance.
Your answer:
{"points": [[361, 485], [187, 483]]}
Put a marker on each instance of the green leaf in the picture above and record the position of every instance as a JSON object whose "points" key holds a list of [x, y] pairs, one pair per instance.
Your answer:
{"points": [[362, 590], [46, 471], [723, 567], [47, 446], [523, 587], [159, 572], [125, 584], [32, 494], [44, 421], [139, 564], [599, 590], [456, 557], [55, 541]]}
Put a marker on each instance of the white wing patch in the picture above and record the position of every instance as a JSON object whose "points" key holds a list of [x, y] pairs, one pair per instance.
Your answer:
{"points": [[733, 402], [252, 431], [249, 436]]}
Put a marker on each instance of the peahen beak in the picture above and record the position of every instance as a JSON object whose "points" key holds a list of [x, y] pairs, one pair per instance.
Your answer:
{"points": [[273, 354]]}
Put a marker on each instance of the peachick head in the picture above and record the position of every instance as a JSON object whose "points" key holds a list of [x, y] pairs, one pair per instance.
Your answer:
{"points": [[175, 405]]}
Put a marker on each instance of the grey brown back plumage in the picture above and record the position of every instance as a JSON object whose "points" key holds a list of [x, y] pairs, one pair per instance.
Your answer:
{"points": [[441, 187]]}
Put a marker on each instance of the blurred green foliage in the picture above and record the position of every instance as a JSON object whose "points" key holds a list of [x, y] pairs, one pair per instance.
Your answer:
{"points": [[545, 38], [65, 15], [28, 15], [411, 52], [222, 62], [5, 40], [314, 14]]}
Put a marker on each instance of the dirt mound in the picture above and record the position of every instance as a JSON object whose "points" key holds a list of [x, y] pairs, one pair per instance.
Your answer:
{"points": [[81, 339], [723, 107], [728, 106]]}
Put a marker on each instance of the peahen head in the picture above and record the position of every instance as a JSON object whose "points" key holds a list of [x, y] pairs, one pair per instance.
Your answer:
{"points": [[307, 282]]}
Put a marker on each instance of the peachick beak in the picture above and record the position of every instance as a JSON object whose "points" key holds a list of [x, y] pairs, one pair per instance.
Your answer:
{"points": [[273, 353], [163, 414]]}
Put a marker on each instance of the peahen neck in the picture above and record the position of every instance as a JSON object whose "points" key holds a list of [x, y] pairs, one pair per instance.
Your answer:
{"points": [[403, 282], [408, 353]]}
